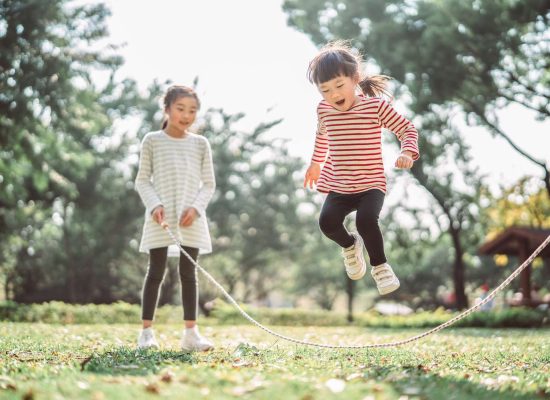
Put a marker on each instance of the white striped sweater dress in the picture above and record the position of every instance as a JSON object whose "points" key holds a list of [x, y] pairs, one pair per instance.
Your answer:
{"points": [[177, 173]]}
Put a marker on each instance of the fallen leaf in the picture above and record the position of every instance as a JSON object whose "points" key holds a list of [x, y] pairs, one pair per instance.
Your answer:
{"points": [[29, 395], [152, 387], [167, 377]]}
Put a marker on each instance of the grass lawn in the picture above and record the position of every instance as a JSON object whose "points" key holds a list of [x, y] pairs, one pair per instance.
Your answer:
{"points": [[39, 361]]}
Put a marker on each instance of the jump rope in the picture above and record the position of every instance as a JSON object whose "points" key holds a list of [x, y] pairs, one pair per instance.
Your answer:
{"points": [[411, 339]]}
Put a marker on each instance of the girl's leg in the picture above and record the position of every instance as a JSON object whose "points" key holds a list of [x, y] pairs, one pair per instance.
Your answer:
{"points": [[191, 338], [331, 221], [368, 211], [189, 286], [151, 286]]}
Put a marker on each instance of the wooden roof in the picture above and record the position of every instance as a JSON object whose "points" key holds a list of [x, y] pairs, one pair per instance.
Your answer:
{"points": [[511, 239]]}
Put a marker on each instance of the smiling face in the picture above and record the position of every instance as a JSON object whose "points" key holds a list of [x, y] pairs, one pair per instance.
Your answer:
{"points": [[182, 113], [339, 92]]}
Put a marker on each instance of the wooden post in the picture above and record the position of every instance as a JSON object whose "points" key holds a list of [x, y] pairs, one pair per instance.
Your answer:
{"points": [[525, 278]]}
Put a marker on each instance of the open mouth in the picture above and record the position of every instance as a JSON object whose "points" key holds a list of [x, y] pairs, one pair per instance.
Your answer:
{"points": [[341, 102]]}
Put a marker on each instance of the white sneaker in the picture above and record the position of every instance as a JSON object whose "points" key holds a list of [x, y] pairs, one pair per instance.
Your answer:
{"points": [[193, 341], [354, 261], [385, 278], [147, 339]]}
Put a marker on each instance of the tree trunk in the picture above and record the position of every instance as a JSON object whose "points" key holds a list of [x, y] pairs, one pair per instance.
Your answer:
{"points": [[350, 293], [458, 264], [70, 264], [458, 270]]}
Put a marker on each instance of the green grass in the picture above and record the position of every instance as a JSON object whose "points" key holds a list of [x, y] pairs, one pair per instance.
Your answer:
{"points": [[39, 361]]}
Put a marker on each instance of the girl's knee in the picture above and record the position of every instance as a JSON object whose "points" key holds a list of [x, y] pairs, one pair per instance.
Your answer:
{"points": [[367, 224], [328, 224]]}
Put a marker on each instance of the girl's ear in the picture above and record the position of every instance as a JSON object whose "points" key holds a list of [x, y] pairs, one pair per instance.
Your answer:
{"points": [[356, 78]]}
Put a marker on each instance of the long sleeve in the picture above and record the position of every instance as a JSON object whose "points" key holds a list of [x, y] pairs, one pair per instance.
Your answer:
{"points": [[143, 183], [400, 126], [320, 149], [207, 179]]}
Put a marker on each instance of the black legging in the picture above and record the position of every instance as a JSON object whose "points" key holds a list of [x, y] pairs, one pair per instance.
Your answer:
{"points": [[368, 205], [155, 275]]}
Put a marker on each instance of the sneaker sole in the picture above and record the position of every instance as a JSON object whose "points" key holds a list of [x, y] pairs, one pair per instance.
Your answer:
{"points": [[193, 350], [363, 270], [155, 347], [391, 288], [359, 275]]}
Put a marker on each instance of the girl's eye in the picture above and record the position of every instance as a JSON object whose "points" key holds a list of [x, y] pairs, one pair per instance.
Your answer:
{"points": [[339, 86], [324, 91]]}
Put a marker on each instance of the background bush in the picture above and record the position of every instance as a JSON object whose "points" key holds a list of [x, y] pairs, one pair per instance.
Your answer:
{"points": [[225, 314]]}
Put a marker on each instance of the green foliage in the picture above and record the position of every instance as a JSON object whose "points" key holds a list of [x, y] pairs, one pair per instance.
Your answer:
{"points": [[480, 55], [56, 312], [256, 229], [450, 59], [226, 314], [63, 226], [522, 204], [513, 317], [509, 318]]}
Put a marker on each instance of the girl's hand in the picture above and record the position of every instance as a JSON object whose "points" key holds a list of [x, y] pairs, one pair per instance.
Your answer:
{"points": [[312, 175], [405, 160], [158, 214], [188, 216]]}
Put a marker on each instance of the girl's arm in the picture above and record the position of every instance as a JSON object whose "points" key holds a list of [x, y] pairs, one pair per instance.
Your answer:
{"points": [[401, 126], [143, 184], [320, 152], [320, 149], [208, 181]]}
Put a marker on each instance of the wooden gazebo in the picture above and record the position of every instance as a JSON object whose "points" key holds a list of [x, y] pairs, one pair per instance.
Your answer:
{"points": [[519, 242]]}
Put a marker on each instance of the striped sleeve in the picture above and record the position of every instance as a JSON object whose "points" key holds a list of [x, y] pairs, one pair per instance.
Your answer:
{"points": [[143, 184], [400, 126], [208, 180], [320, 149]]}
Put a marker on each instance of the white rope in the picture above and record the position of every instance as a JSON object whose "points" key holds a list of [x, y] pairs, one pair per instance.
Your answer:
{"points": [[453, 320]]}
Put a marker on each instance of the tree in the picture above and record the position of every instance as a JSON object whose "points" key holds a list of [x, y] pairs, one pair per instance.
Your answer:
{"points": [[523, 204], [255, 226], [409, 42], [60, 162], [481, 55]]}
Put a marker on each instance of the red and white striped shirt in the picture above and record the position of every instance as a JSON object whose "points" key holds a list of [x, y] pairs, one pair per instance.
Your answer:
{"points": [[350, 144]]}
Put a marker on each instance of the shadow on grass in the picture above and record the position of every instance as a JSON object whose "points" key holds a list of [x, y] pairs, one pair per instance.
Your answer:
{"points": [[130, 361], [413, 381]]}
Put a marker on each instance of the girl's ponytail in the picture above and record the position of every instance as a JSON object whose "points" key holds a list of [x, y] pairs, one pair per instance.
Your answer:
{"points": [[374, 86]]}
